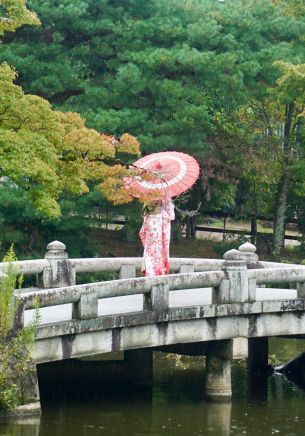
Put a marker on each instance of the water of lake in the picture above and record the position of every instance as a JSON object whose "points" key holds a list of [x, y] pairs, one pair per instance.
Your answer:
{"points": [[176, 405]]}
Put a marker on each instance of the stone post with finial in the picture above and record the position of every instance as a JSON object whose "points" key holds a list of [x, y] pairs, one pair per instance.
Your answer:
{"points": [[60, 272], [249, 253], [234, 288], [257, 346]]}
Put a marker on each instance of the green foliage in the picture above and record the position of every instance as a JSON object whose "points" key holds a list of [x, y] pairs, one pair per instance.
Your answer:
{"points": [[14, 14], [15, 343], [8, 304], [48, 152], [45, 151], [95, 277], [195, 75], [158, 71], [294, 7], [32, 231]]}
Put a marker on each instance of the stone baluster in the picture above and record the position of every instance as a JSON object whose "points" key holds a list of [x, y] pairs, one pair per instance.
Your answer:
{"points": [[241, 345], [157, 299], [87, 306], [18, 321], [127, 271], [248, 251], [301, 290], [60, 272], [186, 268]]}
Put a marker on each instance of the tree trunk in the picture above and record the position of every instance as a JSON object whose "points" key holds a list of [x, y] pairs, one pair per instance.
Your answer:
{"points": [[283, 186], [188, 227], [254, 217], [193, 229], [253, 228], [176, 231], [280, 214]]}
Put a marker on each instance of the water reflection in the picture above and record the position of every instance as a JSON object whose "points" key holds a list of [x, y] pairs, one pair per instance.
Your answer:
{"points": [[21, 427], [257, 386], [290, 354], [219, 417], [175, 406]]}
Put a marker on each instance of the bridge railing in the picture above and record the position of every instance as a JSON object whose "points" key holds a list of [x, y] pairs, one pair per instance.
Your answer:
{"points": [[233, 279], [57, 270], [155, 291], [104, 264], [236, 282]]}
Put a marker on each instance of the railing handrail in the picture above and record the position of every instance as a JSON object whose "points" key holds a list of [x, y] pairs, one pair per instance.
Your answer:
{"points": [[100, 264], [143, 285], [107, 264], [121, 287], [277, 265], [275, 275], [33, 266]]}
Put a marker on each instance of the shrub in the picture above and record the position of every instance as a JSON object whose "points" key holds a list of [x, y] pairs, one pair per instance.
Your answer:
{"points": [[15, 342]]}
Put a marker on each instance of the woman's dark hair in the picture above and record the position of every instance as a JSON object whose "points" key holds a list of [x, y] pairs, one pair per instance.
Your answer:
{"points": [[147, 208]]}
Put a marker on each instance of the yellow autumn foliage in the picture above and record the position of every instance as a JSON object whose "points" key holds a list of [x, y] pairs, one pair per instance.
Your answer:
{"points": [[47, 151]]}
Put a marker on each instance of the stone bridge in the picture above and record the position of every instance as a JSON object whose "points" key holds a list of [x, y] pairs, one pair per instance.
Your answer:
{"points": [[200, 308]]}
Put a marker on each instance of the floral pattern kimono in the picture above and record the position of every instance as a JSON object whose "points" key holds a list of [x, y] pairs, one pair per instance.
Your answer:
{"points": [[155, 236]]}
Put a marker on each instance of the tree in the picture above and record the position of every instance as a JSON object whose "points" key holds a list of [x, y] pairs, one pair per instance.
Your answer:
{"points": [[294, 7], [46, 151], [15, 14], [158, 71], [289, 96], [169, 72]]}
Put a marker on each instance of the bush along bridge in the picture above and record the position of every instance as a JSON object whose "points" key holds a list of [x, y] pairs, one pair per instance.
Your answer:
{"points": [[200, 308]]}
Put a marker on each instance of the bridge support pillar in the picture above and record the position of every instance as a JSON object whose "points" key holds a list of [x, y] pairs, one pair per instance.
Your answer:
{"points": [[258, 368], [30, 390], [258, 354], [218, 370], [141, 366]]}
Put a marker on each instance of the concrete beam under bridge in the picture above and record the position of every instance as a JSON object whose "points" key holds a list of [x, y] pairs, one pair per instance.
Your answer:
{"points": [[80, 338]]}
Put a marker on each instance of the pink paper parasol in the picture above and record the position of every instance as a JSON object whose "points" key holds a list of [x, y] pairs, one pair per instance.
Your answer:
{"points": [[171, 173]]}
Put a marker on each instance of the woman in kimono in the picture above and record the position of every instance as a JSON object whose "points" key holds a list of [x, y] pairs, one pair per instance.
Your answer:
{"points": [[155, 236]]}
